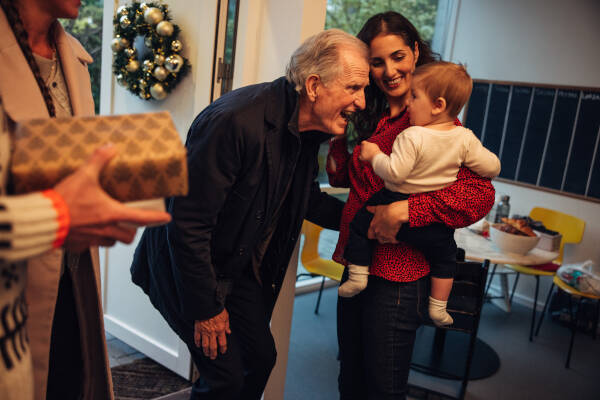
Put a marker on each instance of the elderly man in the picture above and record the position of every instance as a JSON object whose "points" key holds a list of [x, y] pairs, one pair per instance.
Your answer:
{"points": [[215, 272]]}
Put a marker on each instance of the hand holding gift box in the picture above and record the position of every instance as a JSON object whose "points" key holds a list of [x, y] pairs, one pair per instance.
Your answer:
{"points": [[150, 161]]}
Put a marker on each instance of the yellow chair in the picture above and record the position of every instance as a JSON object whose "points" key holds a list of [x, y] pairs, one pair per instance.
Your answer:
{"points": [[315, 264], [571, 229], [572, 292]]}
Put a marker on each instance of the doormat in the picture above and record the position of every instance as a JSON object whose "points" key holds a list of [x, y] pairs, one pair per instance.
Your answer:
{"points": [[145, 379]]}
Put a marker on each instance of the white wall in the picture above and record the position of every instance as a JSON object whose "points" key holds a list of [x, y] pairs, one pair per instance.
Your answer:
{"points": [[538, 41]]}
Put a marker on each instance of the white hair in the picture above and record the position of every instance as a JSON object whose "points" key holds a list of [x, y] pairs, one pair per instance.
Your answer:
{"points": [[320, 55]]}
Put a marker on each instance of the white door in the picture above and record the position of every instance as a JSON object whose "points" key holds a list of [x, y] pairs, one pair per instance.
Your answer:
{"points": [[129, 316]]}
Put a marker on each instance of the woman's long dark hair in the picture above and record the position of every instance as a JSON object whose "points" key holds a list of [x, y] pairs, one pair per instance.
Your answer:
{"points": [[389, 22]]}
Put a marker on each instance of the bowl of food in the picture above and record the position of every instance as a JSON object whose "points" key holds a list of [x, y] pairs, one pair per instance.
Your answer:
{"points": [[513, 236]]}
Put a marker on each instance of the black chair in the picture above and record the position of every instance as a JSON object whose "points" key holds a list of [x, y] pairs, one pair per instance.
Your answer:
{"points": [[464, 305]]}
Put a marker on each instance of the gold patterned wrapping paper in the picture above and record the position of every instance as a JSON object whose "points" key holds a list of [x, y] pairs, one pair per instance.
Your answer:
{"points": [[150, 163]]}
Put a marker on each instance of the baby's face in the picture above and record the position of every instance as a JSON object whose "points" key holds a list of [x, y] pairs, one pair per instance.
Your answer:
{"points": [[420, 106]]}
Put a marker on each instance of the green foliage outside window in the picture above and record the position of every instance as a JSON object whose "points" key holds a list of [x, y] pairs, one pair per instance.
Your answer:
{"points": [[350, 15], [87, 28]]}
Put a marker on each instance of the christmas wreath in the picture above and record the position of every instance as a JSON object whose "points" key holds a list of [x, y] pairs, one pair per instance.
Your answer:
{"points": [[161, 67]]}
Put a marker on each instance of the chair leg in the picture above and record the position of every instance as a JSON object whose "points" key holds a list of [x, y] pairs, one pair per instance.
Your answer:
{"points": [[319, 298], [514, 287], [596, 320], [537, 288], [490, 281], [573, 329], [546, 307]]}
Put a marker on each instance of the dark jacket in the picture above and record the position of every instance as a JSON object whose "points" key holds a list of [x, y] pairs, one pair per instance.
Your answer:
{"points": [[244, 154]]}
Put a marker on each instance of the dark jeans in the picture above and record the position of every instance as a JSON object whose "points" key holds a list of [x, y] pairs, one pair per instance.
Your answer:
{"points": [[242, 372], [66, 362], [376, 334], [436, 241]]}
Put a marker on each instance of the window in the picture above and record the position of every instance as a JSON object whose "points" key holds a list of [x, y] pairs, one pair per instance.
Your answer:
{"points": [[225, 47], [87, 28]]}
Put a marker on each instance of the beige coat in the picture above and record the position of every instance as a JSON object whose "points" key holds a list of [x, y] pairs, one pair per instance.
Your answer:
{"points": [[22, 99]]}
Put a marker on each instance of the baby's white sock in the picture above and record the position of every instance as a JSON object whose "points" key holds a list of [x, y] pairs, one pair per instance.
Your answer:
{"points": [[358, 276], [438, 313]]}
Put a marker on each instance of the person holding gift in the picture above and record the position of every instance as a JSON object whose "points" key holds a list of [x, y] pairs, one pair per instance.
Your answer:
{"points": [[50, 285]]}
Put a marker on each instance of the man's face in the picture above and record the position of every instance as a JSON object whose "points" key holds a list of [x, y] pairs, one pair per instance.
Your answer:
{"points": [[343, 95]]}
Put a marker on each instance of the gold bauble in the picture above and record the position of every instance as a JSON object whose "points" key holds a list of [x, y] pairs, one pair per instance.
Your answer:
{"points": [[132, 65], [144, 95], [148, 41], [160, 73], [122, 10], [124, 42], [143, 6], [153, 15], [164, 28], [159, 59], [176, 45], [121, 80], [148, 65], [130, 52], [158, 91], [173, 63], [124, 21], [115, 44], [143, 84]]}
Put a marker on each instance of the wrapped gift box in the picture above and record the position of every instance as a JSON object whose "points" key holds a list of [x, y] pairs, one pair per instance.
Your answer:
{"points": [[150, 163]]}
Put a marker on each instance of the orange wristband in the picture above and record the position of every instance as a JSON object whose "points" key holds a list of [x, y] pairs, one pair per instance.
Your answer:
{"points": [[63, 217]]}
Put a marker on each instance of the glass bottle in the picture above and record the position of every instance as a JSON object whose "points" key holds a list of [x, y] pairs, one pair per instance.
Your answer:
{"points": [[502, 209]]}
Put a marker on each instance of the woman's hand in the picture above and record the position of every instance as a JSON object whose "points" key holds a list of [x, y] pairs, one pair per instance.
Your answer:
{"points": [[387, 221]]}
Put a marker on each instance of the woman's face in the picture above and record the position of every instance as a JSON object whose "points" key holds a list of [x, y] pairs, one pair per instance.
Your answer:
{"points": [[392, 63]]}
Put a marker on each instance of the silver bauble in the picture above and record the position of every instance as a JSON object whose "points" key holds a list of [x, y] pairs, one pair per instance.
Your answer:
{"points": [[122, 10], [158, 91], [143, 84], [173, 63], [124, 42], [115, 44], [159, 59], [176, 45], [153, 16], [132, 65], [148, 65], [130, 52], [124, 21], [148, 41], [164, 28], [160, 73], [121, 80]]}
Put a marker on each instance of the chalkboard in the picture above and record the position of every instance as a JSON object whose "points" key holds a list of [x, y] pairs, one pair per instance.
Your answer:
{"points": [[546, 137]]}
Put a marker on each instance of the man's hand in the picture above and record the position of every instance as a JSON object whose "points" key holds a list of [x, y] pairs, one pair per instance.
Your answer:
{"points": [[210, 332], [387, 221], [96, 218], [368, 151]]}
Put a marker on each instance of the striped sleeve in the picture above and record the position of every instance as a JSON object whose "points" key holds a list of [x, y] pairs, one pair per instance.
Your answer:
{"points": [[32, 224]]}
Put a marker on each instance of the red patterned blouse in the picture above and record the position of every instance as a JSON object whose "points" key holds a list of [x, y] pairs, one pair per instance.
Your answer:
{"points": [[464, 202]]}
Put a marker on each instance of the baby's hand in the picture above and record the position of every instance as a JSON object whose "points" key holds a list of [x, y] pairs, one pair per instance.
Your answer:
{"points": [[368, 150]]}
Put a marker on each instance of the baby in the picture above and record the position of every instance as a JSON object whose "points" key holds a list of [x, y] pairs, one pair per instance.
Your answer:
{"points": [[425, 157]]}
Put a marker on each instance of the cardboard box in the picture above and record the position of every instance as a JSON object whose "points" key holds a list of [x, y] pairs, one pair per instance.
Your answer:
{"points": [[150, 163], [548, 242]]}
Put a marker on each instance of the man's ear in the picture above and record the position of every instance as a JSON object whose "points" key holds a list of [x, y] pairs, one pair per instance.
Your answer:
{"points": [[439, 106], [312, 87]]}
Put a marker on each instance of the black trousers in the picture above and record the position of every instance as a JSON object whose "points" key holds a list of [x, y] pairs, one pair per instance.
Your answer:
{"points": [[66, 362], [436, 241], [242, 372]]}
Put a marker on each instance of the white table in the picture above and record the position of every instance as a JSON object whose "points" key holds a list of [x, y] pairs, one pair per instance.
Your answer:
{"points": [[479, 248]]}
